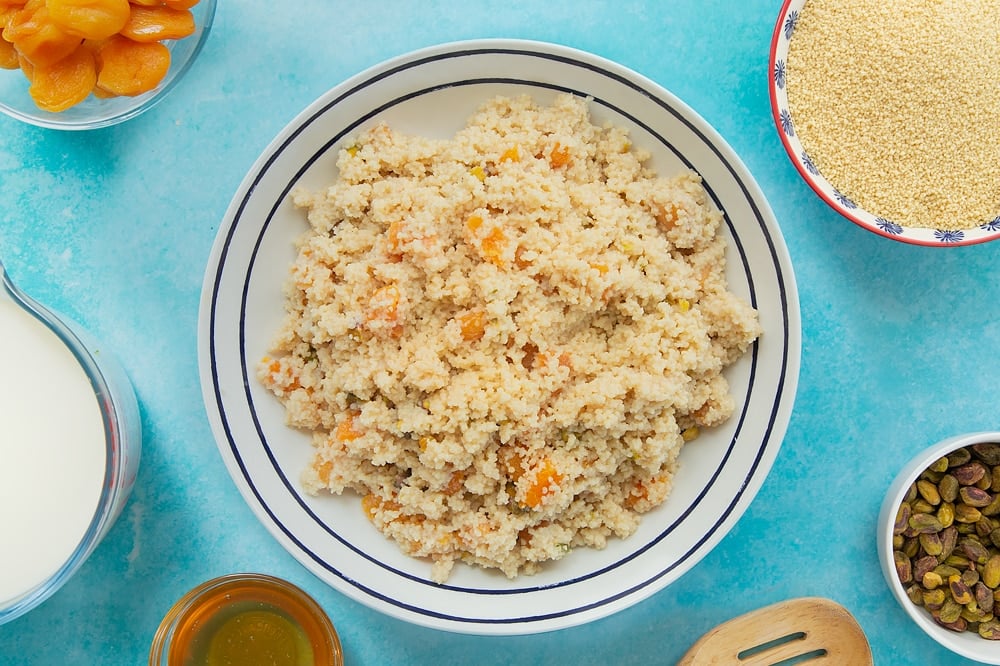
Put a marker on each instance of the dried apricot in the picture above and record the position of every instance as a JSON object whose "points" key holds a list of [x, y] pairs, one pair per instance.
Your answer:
{"points": [[26, 67], [384, 303], [125, 67], [121, 39], [559, 157], [472, 324], [68, 82], [154, 24], [8, 55], [6, 12], [36, 37], [493, 246], [90, 19], [347, 429], [546, 481]]}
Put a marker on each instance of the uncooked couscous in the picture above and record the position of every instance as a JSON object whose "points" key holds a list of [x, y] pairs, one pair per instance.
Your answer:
{"points": [[895, 104], [501, 341]]}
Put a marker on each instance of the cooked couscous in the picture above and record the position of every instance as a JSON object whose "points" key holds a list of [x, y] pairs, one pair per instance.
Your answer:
{"points": [[501, 341]]}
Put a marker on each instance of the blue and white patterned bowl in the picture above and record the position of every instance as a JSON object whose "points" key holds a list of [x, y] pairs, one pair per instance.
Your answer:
{"points": [[784, 31]]}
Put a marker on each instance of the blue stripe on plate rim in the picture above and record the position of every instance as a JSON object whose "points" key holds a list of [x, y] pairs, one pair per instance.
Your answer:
{"points": [[666, 106]]}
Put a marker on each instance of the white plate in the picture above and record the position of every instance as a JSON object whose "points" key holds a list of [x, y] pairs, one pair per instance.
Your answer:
{"points": [[433, 92]]}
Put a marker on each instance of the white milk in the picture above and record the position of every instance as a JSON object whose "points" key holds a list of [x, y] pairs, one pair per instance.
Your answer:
{"points": [[52, 452]]}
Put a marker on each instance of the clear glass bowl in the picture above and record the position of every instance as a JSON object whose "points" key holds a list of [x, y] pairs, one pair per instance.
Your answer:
{"points": [[93, 113], [243, 619], [122, 435]]}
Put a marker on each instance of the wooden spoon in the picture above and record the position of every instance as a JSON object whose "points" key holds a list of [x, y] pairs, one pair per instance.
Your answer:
{"points": [[804, 630]]}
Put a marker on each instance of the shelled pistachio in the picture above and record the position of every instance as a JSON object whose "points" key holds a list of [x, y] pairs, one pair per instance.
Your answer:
{"points": [[946, 540]]}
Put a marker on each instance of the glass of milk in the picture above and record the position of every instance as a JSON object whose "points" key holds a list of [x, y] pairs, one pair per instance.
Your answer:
{"points": [[70, 439]]}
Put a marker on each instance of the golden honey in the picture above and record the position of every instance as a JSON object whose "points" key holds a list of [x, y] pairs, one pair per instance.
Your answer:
{"points": [[246, 619]]}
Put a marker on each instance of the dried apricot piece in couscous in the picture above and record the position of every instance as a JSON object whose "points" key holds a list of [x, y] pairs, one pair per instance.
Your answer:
{"points": [[540, 360], [511, 460], [347, 429], [648, 493], [64, 84], [599, 267], [493, 246], [383, 311], [512, 154], [392, 239], [155, 24], [90, 19], [472, 325], [281, 376], [666, 215], [130, 68], [455, 482], [384, 303], [371, 504], [559, 157], [546, 480]]}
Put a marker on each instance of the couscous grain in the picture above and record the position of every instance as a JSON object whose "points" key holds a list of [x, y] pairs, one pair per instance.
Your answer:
{"points": [[502, 341], [895, 104]]}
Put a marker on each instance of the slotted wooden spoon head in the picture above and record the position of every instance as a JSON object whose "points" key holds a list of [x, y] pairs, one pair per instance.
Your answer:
{"points": [[807, 631]]}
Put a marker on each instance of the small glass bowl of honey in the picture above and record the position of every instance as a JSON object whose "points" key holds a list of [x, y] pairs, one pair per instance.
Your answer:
{"points": [[246, 619]]}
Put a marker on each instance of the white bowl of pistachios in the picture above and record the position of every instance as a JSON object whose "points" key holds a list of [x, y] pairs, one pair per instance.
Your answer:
{"points": [[939, 543]]}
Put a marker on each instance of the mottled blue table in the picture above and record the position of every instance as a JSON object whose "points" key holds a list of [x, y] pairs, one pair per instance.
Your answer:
{"points": [[901, 344]]}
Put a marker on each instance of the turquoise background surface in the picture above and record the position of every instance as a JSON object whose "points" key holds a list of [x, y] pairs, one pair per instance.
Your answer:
{"points": [[113, 227]]}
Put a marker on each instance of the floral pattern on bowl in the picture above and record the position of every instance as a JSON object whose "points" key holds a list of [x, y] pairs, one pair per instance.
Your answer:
{"points": [[784, 30]]}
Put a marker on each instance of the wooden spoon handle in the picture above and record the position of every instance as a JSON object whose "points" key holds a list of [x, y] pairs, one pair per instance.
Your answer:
{"points": [[793, 628]]}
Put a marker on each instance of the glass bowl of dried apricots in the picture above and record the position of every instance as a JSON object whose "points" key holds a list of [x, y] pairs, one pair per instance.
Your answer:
{"points": [[84, 64]]}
